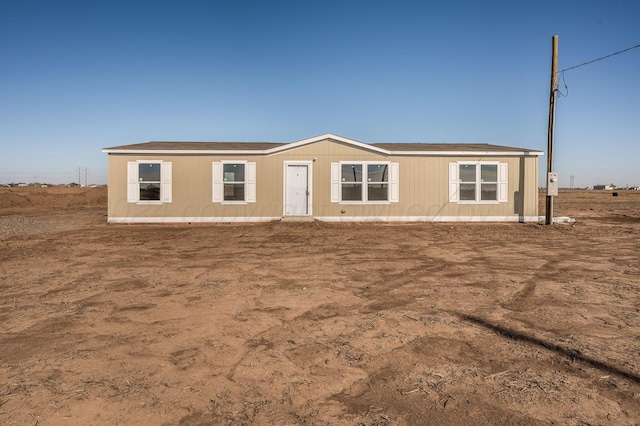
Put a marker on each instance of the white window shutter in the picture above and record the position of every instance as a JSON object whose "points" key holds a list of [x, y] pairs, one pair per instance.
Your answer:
{"points": [[394, 182], [453, 182], [335, 182], [503, 190], [218, 193], [133, 188], [165, 182], [250, 183]]}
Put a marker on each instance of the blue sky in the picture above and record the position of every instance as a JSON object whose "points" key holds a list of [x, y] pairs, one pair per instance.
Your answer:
{"points": [[78, 76]]}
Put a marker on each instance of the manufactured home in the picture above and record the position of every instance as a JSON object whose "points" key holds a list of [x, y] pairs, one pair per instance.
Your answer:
{"points": [[327, 178]]}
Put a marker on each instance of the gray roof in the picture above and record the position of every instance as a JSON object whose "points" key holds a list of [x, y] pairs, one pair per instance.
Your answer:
{"points": [[480, 147], [272, 147], [199, 146]]}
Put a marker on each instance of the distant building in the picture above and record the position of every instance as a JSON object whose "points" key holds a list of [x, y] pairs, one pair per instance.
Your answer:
{"points": [[609, 187]]}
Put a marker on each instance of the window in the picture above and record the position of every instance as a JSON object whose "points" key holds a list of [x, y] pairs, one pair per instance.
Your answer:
{"points": [[478, 182], [489, 182], [378, 182], [149, 182], [351, 178], [234, 182], [233, 178], [364, 182], [149, 178]]}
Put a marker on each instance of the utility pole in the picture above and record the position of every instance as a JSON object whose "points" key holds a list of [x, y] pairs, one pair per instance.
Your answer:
{"points": [[552, 113]]}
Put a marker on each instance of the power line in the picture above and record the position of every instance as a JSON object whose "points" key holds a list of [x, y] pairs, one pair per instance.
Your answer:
{"points": [[558, 93], [600, 59]]}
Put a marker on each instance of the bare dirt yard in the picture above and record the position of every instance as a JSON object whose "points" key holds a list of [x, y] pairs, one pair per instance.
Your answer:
{"points": [[315, 323]]}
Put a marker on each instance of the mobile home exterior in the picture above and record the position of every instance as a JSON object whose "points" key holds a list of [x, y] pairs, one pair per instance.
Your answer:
{"points": [[328, 178]]}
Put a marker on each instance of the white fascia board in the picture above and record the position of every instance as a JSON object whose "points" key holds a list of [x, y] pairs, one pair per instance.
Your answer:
{"points": [[277, 149], [293, 145], [467, 153], [185, 151], [331, 136]]}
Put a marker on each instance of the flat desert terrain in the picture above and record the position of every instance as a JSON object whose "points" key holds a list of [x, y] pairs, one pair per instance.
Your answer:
{"points": [[315, 323]]}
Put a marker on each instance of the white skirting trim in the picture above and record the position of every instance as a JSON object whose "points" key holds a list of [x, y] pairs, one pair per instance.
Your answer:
{"points": [[326, 219], [190, 219], [427, 218]]}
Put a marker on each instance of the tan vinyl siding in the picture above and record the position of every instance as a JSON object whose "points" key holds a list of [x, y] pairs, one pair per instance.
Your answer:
{"points": [[192, 186], [423, 186]]}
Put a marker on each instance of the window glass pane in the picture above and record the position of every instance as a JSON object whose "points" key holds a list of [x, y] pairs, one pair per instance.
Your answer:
{"points": [[149, 172], [233, 173], [352, 192], [489, 191], [489, 173], [378, 192], [149, 192], [377, 173], [467, 191], [234, 191], [351, 173], [467, 172]]}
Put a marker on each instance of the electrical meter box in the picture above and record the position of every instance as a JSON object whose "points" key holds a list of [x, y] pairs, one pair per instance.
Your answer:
{"points": [[552, 184]]}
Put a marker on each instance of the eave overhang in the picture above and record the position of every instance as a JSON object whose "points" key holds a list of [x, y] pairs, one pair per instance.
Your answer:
{"points": [[290, 146]]}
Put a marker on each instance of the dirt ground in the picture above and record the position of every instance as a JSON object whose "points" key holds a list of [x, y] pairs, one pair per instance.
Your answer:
{"points": [[317, 324]]}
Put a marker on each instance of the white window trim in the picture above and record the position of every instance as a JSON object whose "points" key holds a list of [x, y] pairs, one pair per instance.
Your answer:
{"points": [[392, 183], [133, 182], [217, 170], [501, 184]]}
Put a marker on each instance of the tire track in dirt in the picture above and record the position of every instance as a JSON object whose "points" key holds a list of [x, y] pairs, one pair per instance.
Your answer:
{"points": [[336, 359], [321, 324]]}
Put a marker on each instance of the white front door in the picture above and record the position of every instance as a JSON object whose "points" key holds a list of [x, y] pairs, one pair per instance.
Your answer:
{"points": [[296, 197]]}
